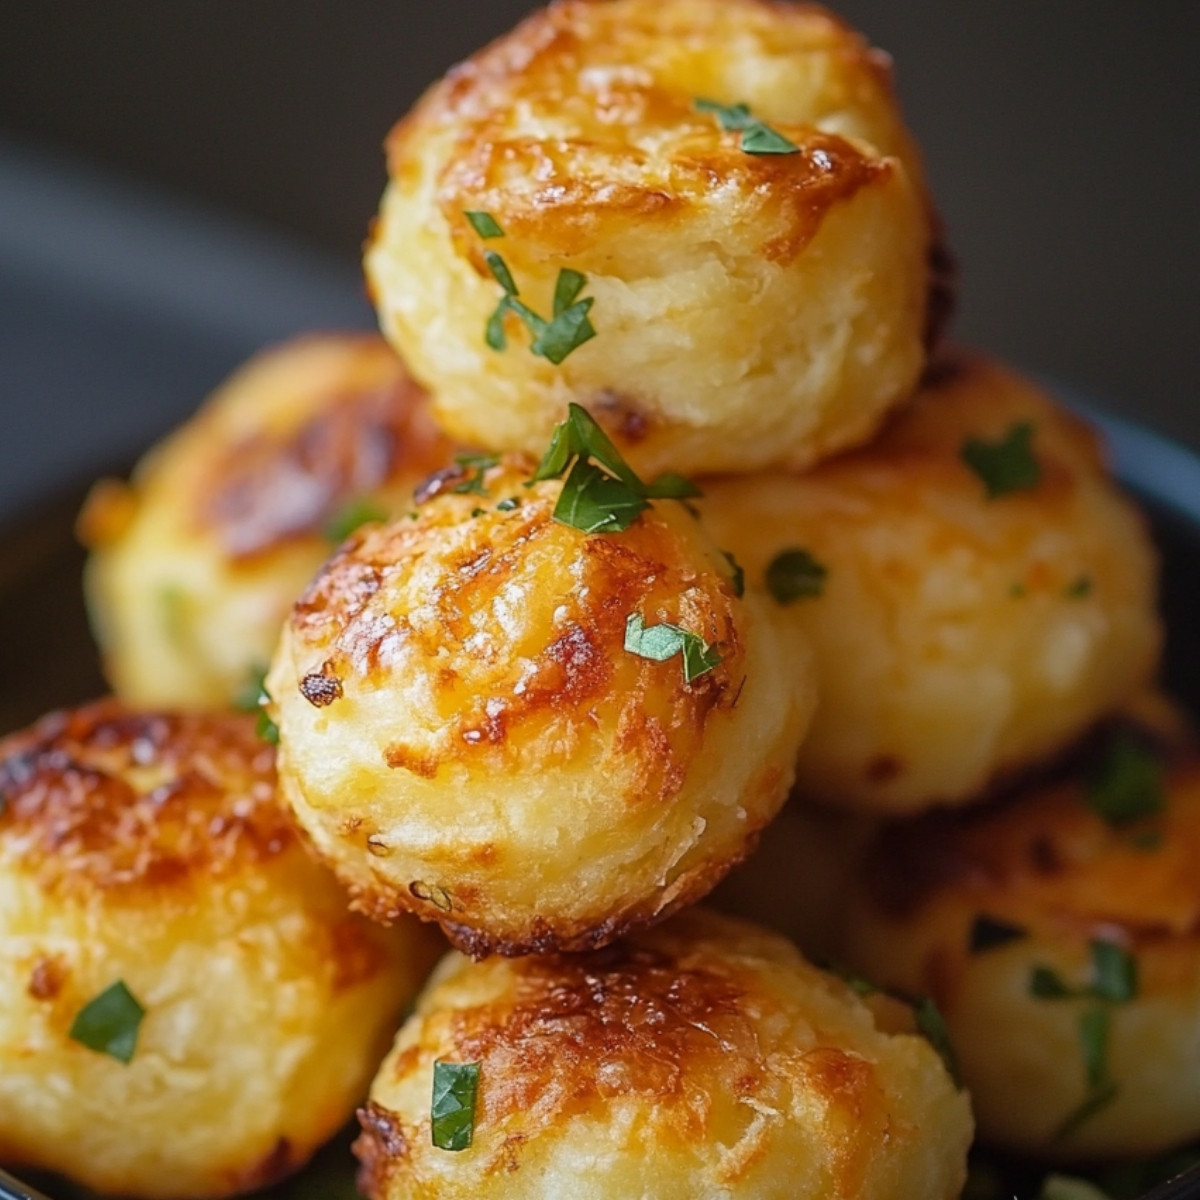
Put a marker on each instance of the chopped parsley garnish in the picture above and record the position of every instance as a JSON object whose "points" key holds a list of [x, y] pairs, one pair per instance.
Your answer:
{"points": [[1114, 981], [1007, 465], [358, 512], [452, 1111], [932, 1025], [738, 578], [109, 1023], [508, 504], [661, 642], [793, 575], [569, 326], [252, 697], [593, 499], [253, 693], [476, 466], [1079, 589], [1127, 784], [989, 932], [266, 729], [484, 224], [757, 136]]}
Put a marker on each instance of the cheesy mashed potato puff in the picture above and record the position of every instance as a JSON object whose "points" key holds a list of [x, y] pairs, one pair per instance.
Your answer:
{"points": [[535, 736], [702, 1058], [976, 590], [1057, 932], [187, 1007], [197, 561], [616, 168]]}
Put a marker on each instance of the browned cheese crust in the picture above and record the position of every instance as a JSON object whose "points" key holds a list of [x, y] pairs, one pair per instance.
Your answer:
{"points": [[465, 736], [701, 1058]]}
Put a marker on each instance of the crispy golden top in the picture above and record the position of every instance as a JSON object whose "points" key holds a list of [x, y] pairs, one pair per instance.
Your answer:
{"points": [[672, 1020], [101, 797], [276, 484], [1042, 858], [584, 116], [507, 630]]}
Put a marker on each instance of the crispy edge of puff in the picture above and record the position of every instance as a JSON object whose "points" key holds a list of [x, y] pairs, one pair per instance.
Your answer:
{"points": [[1040, 863], [464, 735], [927, 577], [613, 210], [195, 562], [698, 1057], [151, 849]]}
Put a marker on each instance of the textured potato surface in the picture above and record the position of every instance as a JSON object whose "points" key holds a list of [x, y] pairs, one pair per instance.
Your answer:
{"points": [[464, 735], [198, 560], [702, 1059], [152, 850], [1046, 866], [957, 637], [749, 309]]}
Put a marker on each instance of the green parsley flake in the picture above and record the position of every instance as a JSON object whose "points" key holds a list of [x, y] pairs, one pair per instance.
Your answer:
{"points": [[569, 327], [1127, 784], [252, 693], [1079, 589], [595, 500], [484, 224], [355, 514], [794, 575], [508, 504], [476, 465], [1007, 465], [987, 933], [266, 729], [757, 136], [1114, 981], [452, 1111], [109, 1023], [661, 642], [933, 1026]]}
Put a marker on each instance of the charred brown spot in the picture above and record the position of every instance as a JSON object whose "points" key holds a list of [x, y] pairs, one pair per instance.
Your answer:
{"points": [[47, 978], [107, 797], [268, 490], [622, 417], [278, 1164], [405, 758], [443, 480], [321, 688], [381, 1144], [884, 768]]}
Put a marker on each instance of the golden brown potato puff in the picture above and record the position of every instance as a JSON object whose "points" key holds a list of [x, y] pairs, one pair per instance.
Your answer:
{"points": [[721, 191], [197, 561], [188, 1007], [536, 736], [1057, 930], [701, 1058], [976, 589]]}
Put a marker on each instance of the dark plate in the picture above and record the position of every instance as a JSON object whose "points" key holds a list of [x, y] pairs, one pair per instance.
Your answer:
{"points": [[49, 659]]}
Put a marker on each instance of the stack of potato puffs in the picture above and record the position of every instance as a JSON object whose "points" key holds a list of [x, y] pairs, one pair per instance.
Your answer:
{"points": [[663, 544]]}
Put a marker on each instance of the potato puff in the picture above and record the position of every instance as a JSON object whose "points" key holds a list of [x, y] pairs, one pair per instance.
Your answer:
{"points": [[197, 561], [1057, 932], [189, 1009], [615, 168], [976, 589], [701, 1058], [535, 736]]}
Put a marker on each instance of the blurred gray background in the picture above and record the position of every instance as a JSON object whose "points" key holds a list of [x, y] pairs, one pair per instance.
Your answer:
{"points": [[181, 182]]}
